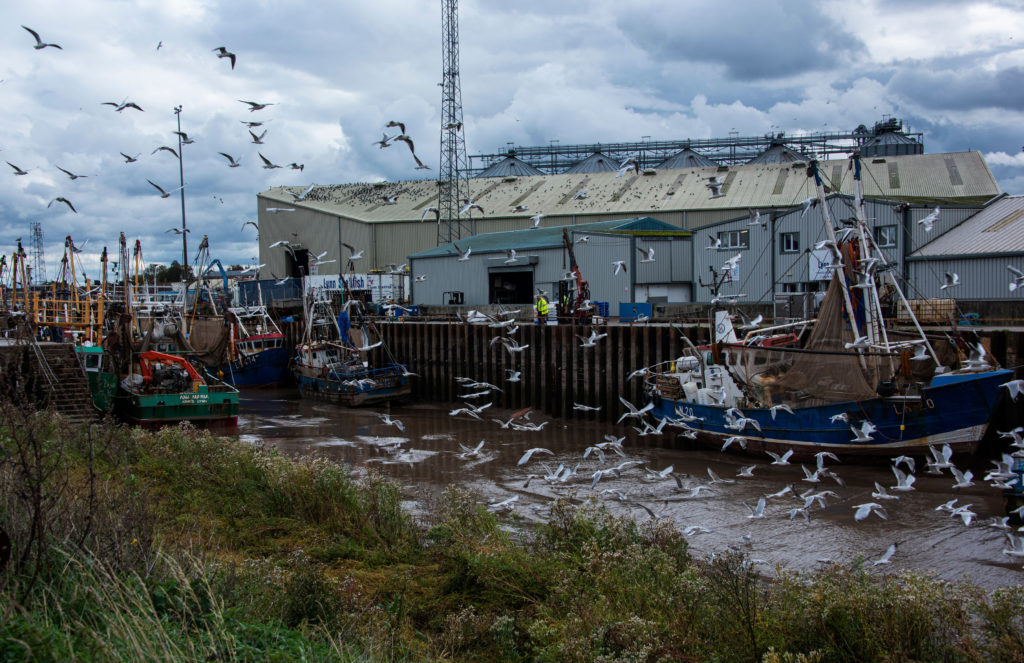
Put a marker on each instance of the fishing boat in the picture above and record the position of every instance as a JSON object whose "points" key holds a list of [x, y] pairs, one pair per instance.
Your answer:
{"points": [[256, 355], [850, 386], [340, 363], [162, 389]]}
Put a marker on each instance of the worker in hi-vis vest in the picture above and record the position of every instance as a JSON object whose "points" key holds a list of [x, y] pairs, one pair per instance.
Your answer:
{"points": [[542, 309]]}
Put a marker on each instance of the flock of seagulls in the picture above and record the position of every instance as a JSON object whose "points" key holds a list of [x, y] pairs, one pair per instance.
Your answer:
{"points": [[636, 484]]}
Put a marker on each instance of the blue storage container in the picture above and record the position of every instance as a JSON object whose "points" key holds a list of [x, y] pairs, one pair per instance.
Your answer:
{"points": [[630, 310]]}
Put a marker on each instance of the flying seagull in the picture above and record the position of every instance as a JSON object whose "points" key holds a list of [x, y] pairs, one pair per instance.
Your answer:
{"points": [[1017, 282], [251, 223], [70, 174], [394, 123], [19, 171], [253, 106], [185, 140], [164, 194], [164, 148], [620, 266], [257, 140], [129, 159], [302, 196], [225, 53], [39, 42], [231, 159], [297, 166], [951, 279], [536, 219], [267, 163], [176, 231], [65, 201], [714, 184], [930, 220], [431, 210]]}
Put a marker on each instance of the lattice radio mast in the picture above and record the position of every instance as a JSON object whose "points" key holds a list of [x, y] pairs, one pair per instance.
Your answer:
{"points": [[453, 175], [38, 263]]}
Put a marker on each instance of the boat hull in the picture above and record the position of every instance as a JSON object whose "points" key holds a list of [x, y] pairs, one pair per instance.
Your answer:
{"points": [[953, 410], [206, 407], [389, 385], [265, 369]]}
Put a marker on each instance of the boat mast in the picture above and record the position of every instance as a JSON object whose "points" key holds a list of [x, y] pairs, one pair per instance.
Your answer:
{"points": [[827, 216], [873, 311], [866, 243]]}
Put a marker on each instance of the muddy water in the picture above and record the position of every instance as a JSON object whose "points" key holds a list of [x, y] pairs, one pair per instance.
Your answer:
{"points": [[425, 458]]}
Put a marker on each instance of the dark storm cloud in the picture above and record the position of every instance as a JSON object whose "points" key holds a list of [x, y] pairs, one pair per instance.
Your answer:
{"points": [[967, 88], [764, 40]]}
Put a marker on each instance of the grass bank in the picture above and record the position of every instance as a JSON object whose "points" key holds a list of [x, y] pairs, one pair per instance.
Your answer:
{"points": [[177, 545]]}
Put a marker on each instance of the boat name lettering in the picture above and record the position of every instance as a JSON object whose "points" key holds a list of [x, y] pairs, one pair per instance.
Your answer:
{"points": [[193, 398]]}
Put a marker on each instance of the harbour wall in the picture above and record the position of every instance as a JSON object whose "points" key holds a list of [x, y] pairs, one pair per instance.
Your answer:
{"points": [[556, 372]]}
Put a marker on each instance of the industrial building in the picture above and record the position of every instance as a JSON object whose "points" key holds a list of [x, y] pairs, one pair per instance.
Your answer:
{"points": [[386, 222], [979, 251], [510, 267]]}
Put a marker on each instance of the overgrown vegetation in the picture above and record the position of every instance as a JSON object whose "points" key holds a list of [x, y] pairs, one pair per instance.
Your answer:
{"points": [[180, 546]]}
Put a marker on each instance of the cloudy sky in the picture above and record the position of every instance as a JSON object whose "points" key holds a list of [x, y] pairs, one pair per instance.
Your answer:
{"points": [[531, 71]]}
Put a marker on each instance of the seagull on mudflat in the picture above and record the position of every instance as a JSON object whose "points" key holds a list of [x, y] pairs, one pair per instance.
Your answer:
{"points": [[225, 53], [65, 201], [232, 162], [39, 42], [253, 106], [165, 194]]}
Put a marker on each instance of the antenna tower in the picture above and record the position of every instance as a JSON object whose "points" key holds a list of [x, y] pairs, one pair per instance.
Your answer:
{"points": [[453, 175], [38, 263]]}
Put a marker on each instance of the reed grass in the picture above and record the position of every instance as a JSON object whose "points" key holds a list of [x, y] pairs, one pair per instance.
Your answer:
{"points": [[177, 545]]}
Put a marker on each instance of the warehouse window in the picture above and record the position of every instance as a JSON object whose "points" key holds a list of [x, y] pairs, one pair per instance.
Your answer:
{"points": [[790, 242], [885, 235], [734, 239]]}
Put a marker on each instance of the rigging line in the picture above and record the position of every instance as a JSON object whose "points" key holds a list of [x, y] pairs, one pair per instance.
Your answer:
{"points": [[764, 249]]}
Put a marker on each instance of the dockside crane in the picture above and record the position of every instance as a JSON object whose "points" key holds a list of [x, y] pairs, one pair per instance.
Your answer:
{"points": [[573, 291]]}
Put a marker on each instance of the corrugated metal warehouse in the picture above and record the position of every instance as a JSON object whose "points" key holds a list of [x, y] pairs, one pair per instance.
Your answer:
{"points": [[491, 274], [979, 250], [383, 220]]}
